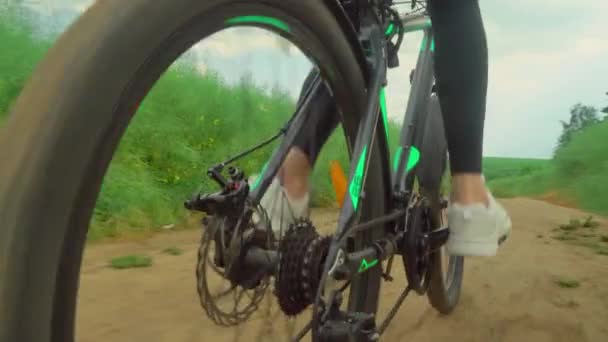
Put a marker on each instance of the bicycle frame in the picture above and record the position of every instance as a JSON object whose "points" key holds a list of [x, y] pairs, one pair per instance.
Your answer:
{"points": [[351, 256], [406, 156], [404, 160]]}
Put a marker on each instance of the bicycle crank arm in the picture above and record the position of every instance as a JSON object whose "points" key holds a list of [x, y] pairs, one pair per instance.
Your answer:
{"points": [[437, 238]]}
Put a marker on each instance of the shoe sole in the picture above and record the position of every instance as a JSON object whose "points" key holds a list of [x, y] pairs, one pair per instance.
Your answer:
{"points": [[467, 248]]}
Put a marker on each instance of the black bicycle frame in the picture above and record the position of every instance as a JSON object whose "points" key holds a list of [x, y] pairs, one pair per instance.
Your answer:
{"points": [[407, 154]]}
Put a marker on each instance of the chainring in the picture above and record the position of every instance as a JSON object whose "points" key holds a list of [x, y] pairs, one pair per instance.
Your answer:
{"points": [[302, 256], [415, 250]]}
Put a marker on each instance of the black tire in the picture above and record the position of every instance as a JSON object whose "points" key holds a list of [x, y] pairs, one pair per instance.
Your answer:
{"points": [[444, 284], [64, 128]]}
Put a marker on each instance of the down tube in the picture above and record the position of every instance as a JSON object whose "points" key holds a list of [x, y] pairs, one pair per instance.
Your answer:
{"points": [[296, 124], [416, 107], [365, 138]]}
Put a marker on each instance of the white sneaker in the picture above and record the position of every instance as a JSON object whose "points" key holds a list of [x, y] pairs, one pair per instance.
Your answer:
{"points": [[477, 230], [281, 208]]}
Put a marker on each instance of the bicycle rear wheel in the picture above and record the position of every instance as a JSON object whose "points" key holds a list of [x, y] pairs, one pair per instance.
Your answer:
{"points": [[446, 271], [66, 124]]}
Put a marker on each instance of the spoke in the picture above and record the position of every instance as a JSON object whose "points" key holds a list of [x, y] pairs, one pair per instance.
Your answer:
{"points": [[223, 293], [286, 200], [281, 220], [237, 299], [211, 262]]}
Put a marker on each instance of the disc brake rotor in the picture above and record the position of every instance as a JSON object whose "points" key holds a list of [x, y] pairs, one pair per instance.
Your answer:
{"points": [[230, 304]]}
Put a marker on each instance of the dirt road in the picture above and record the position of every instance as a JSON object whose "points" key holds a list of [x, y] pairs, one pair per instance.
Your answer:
{"points": [[513, 297]]}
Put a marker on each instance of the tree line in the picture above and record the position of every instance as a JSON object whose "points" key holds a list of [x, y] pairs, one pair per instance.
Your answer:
{"points": [[581, 116]]}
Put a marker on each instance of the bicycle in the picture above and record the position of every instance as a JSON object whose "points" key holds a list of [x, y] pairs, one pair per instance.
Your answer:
{"points": [[54, 159]]}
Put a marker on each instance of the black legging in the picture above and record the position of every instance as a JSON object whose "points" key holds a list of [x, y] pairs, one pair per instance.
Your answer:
{"points": [[461, 71]]}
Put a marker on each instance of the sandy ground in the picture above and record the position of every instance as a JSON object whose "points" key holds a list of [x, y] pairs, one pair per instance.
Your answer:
{"points": [[512, 297]]}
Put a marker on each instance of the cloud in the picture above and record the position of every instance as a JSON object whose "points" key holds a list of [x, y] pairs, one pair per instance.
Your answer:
{"points": [[243, 40]]}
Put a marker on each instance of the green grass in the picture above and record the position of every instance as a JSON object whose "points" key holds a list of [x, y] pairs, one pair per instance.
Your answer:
{"points": [[583, 166], [173, 250], [572, 225], [496, 168], [175, 136], [509, 177], [590, 223], [564, 237], [131, 261], [19, 56], [575, 224], [578, 173], [583, 233], [567, 283]]}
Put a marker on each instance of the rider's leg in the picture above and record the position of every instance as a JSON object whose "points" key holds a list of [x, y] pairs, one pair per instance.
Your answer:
{"points": [[295, 173], [289, 195], [461, 68]]}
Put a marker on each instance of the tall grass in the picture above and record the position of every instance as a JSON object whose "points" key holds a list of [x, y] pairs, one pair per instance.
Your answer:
{"points": [[582, 166], [186, 123], [508, 177], [20, 53], [496, 168]]}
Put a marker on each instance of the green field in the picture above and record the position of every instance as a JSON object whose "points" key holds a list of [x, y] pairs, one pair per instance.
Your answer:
{"points": [[509, 177], [497, 167], [177, 134]]}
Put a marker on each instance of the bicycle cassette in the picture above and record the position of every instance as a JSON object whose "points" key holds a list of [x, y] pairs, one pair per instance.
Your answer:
{"points": [[302, 255]]}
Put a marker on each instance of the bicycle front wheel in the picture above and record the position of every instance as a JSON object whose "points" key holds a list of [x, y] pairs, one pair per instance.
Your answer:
{"points": [[65, 126]]}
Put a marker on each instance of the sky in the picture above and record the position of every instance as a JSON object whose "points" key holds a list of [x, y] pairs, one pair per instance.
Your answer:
{"points": [[544, 56]]}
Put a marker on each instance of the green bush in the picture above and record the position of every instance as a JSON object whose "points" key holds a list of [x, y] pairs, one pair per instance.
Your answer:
{"points": [[582, 165], [20, 53]]}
